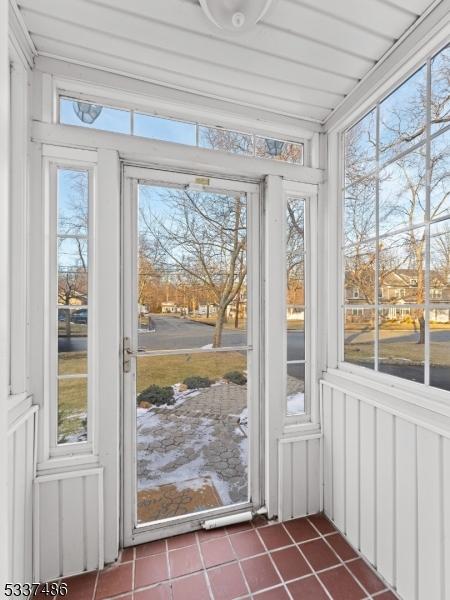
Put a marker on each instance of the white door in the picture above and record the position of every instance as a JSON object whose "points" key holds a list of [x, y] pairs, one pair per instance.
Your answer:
{"points": [[191, 326]]}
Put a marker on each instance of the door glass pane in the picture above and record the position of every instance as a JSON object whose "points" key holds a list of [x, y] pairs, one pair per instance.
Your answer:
{"points": [[192, 433], [192, 290], [191, 399]]}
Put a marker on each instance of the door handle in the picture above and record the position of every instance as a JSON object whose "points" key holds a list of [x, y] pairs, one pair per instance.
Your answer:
{"points": [[127, 354]]}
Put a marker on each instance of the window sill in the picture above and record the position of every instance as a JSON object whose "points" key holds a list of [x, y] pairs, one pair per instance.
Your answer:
{"points": [[66, 462], [303, 430], [412, 406]]}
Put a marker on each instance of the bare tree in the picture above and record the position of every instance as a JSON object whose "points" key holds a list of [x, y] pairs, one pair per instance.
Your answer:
{"points": [[202, 238]]}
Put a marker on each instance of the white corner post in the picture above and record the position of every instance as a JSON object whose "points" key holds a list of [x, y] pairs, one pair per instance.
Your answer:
{"points": [[4, 291], [274, 323]]}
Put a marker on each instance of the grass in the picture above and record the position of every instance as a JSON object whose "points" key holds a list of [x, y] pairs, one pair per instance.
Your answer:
{"points": [[394, 353], [159, 370], [170, 369], [227, 325]]}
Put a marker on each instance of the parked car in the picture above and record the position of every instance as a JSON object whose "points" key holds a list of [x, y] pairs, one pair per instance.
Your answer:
{"points": [[80, 316]]}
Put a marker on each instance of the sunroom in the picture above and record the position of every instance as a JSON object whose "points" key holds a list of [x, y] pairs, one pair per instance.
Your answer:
{"points": [[225, 300]]}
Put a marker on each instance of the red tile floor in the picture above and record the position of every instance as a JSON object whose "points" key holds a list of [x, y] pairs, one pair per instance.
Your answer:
{"points": [[303, 558]]}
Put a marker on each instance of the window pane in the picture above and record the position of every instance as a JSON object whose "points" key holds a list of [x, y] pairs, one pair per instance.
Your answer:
{"points": [[279, 150], [167, 130], [440, 90], [72, 271], [192, 269], [359, 346], [72, 410], [440, 348], [402, 193], [402, 268], [94, 116], [225, 139], [360, 212], [72, 340], [440, 176], [295, 277], [295, 389], [192, 428], [402, 116], [401, 342], [360, 274], [440, 262], [73, 194], [360, 149]]}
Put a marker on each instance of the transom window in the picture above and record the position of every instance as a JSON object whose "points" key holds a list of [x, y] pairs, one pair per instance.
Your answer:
{"points": [[396, 239], [73, 111]]}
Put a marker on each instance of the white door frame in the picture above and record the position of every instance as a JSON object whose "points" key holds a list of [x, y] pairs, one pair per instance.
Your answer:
{"points": [[132, 176]]}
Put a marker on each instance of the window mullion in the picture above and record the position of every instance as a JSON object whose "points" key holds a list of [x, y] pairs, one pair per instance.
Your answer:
{"points": [[377, 233]]}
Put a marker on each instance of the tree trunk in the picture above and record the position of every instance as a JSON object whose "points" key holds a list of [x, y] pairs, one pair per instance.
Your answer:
{"points": [[236, 316], [421, 320], [218, 330]]}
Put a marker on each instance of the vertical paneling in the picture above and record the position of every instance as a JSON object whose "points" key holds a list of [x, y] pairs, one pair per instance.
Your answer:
{"points": [[397, 491], [446, 518], [327, 417], [338, 457], [299, 485], [385, 491], [406, 509], [314, 476], [300, 481], [69, 523], [21, 474], [352, 470], [429, 514], [367, 481]]}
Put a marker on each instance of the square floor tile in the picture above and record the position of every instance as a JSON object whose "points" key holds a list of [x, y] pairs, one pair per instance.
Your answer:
{"points": [[301, 530], [193, 586], [366, 576], [388, 595], [274, 536], [204, 535], [290, 563], [278, 593], [151, 548], [115, 580], [245, 526], [227, 582], [246, 544], [341, 585], [341, 547], [321, 523], [217, 552], [157, 592], [80, 587], [126, 555], [184, 561], [308, 588], [149, 570], [181, 541], [259, 573], [319, 555]]}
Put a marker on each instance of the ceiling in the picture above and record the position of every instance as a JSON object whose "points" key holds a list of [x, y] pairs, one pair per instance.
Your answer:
{"points": [[301, 60]]}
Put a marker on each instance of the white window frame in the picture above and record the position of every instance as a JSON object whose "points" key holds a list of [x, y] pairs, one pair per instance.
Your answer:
{"points": [[55, 158], [411, 391], [296, 422]]}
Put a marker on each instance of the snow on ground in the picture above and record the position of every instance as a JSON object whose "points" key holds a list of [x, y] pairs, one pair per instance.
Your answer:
{"points": [[296, 403]]}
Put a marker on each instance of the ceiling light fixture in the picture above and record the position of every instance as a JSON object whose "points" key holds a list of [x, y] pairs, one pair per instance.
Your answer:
{"points": [[235, 15]]}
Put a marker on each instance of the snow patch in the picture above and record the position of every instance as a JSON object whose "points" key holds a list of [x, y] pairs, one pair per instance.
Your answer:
{"points": [[296, 403]]}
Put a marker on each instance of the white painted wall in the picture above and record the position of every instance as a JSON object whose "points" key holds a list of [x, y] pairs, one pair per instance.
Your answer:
{"points": [[387, 483]]}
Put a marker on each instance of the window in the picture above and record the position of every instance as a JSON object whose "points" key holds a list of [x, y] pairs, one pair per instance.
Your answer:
{"points": [[77, 112], [71, 300], [295, 305], [396, 239]]}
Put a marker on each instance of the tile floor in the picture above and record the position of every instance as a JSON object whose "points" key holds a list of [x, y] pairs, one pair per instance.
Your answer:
{"points": [[303, 558]]}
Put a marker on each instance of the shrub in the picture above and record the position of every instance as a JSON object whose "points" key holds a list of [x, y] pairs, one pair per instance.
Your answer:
{"points": [[235, 377], [195, 382], [157, 395]]}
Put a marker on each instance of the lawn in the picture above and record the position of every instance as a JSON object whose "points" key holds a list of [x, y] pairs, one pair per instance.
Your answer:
{"points": [[159, 370], [397, 352]]}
